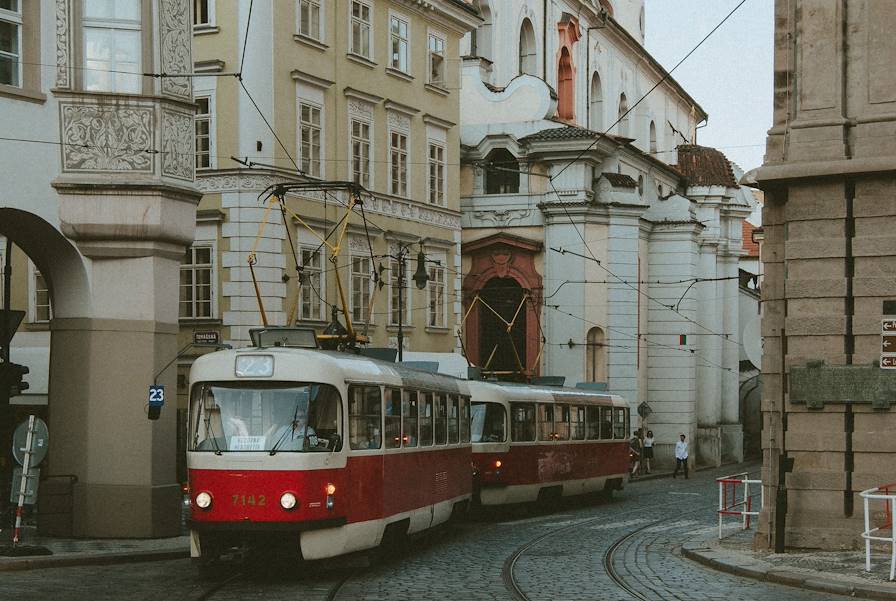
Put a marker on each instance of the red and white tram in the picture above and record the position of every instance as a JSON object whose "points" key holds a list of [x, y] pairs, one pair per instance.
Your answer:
{"points": [[533, 443], [330, 451]]}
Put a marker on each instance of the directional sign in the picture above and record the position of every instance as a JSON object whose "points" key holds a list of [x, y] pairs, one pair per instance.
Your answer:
{"points": [[888, 325], [888, 362], [888, 343]]}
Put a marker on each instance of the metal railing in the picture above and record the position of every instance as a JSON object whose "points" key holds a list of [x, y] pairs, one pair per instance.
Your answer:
{"points": [[733, 503], [886, 494]]}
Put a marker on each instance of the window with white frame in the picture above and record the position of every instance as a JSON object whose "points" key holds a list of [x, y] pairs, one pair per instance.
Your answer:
{"points": [[398, 43], [309, 136], [11, 42], [312, 285], [361, 152], [360, 288], [436, 173], [398, 160], [41, 310], [436, 293], [203, 120], [394, 292], [196, 289], [112, 45], [202, 12], [361, 25], [310, 18], [436, 60]]}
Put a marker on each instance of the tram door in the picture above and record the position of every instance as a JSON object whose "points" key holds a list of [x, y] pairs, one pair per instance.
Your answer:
{"points": [[506, 351]]}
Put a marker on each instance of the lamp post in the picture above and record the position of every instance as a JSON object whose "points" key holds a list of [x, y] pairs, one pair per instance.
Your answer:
{"points": [[420, 277]]}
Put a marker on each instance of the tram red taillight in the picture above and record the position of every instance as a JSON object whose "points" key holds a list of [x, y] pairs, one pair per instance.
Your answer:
{"points": [[498, 463]]}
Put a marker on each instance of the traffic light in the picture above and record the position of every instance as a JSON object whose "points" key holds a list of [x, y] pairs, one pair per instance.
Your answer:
{"points": [[11, 381]]}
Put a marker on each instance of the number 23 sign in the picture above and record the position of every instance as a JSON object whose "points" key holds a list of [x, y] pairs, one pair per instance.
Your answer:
{"points": [[156, 396]]}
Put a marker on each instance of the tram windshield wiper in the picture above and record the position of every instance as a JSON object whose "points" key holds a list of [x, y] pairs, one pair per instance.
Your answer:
{"points": [[290, 431]]}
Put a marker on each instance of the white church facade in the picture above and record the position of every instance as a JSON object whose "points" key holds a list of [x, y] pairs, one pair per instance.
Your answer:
{"points": [[610, 260]]}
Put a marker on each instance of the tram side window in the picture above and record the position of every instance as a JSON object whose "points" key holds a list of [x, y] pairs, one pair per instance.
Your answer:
{"points": [[522, 422], [409, 419], [545, 422], [426, 420], [393, 418], [453, 419], [364, 416], [489, 422], [441, 420], [464, 419], [577, 422], [593, 416], [606, 423], [561, 424], [619, 425]]}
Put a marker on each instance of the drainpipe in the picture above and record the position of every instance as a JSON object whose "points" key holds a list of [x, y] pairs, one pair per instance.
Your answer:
{"points": [[544, 41]]}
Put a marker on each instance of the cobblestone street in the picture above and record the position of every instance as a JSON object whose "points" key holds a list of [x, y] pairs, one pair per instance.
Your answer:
{"points": [[531, 554]]}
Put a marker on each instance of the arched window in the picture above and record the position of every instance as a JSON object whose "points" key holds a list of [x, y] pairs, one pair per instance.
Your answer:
{"points": [[528, 61], [652, 137], [501, 172], [596, 356], [596, 116], [623, 110], [566, 89]]}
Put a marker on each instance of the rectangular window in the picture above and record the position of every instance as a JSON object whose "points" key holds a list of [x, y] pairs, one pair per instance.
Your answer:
{"points": [[441, 412], [577, 423], [309, 135], [311, 285], [398, 37], [364, 411], [436, 288], [398, 158], [11, 43], [394, 296], [361, 28], [606, 423], [409, 419], [545, 422], [361, 153], [203, 119], [619, 424], [522, 422], [43, 312], [112, 45], [436, 60], [593, 417], [453, 419], [393, 418], [360, 288], [561, 422], [426, 419], [201, 13], [196, 284], [436, 174], [465, 419], [309, 18]]}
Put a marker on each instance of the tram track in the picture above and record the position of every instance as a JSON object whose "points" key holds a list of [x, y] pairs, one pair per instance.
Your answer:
{"points": [[608, 563]]}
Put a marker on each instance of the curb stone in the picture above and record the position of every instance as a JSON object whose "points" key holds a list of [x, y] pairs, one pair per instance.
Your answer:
{"points": [[701, 554], [75, 559]]}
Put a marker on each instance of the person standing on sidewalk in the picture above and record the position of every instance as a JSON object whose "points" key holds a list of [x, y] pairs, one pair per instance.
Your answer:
{"points": [[681, 456], [634, 446], [648, 450]]}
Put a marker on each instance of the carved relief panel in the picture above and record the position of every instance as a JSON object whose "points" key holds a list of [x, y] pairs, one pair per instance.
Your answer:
{"points": [[107, 138]]}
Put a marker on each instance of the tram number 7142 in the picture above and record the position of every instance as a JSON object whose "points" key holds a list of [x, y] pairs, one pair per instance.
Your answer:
{"points": [[249, 500]]}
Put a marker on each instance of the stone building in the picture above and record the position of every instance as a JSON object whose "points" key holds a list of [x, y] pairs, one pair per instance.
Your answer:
{"points": [[97, 196], [828, 252], [592, 245]]}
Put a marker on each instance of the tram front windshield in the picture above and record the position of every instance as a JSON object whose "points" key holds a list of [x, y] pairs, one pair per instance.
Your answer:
{"points": [[487, 422], [275, 417]]}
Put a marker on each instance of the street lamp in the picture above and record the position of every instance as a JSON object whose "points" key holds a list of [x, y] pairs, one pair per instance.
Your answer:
{"points": [[420, 277]]}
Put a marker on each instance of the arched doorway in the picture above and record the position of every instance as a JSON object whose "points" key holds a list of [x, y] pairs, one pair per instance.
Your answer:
{"points": [[503, 352]]}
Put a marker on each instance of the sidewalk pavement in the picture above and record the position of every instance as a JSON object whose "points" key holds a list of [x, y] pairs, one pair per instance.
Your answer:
{"points": [[66, 552]]}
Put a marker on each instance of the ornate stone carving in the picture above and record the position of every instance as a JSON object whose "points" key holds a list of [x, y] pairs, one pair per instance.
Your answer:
{"points": [[63, 78], [177, 145], [175, 42], [107, 138], [359, 108], [358, 244], [398, 121], [502, 217]]}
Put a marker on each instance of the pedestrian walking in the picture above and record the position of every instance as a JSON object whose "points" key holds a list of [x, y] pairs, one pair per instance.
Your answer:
{"points": [[648, 450], [681, 456], [634, 446]]}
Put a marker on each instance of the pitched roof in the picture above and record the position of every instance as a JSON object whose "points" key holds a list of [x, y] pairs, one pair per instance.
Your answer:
{"points": [[704, 166], [751, 247], [567, 132], [620, 180]]}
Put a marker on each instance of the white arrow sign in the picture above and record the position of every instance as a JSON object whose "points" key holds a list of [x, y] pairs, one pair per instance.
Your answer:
{"points": [[888, 325]]}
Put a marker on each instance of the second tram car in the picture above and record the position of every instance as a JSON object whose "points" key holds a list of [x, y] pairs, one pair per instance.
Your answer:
{"points": [[533, 443], [330, 451]]}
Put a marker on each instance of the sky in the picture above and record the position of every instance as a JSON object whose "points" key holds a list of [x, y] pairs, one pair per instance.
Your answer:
{"points": [[730, 75]]}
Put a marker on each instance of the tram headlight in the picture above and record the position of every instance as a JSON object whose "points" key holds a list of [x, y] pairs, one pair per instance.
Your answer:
{"points": [[498, 463], [203, 500], [288, 501]]}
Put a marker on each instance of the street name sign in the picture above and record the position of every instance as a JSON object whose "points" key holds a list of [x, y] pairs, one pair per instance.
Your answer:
{"points": [[888, 343]]}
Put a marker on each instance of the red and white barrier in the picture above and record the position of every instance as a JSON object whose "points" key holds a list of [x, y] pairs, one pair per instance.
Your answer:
{"points": [[735, 498], [887, 494]]}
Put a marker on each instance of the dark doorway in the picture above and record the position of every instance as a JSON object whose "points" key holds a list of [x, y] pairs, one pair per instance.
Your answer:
{"points": [[504, 295]]}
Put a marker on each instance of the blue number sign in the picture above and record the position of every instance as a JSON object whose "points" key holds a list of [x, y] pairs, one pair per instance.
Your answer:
{"points": [[156, 396]]}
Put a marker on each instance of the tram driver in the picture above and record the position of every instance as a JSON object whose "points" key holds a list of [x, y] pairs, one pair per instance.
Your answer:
{"points": [[289, 428]]}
